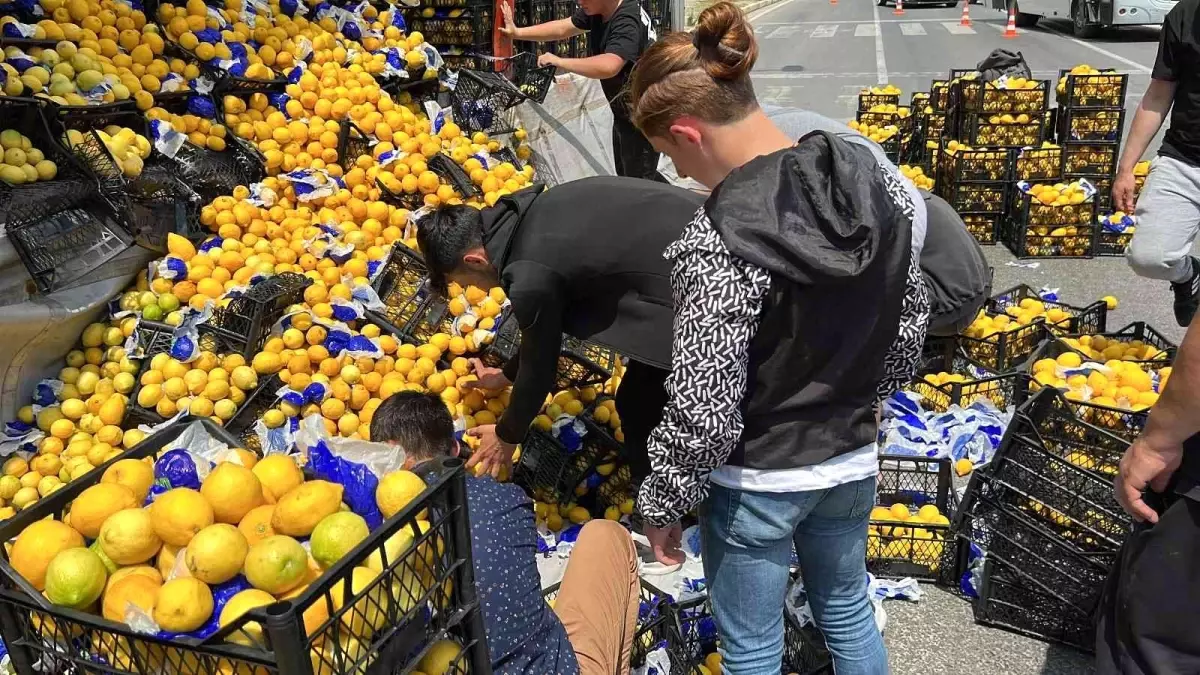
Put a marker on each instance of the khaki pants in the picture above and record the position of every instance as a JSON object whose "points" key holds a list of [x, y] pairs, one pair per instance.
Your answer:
{"points": [[598, 600]]}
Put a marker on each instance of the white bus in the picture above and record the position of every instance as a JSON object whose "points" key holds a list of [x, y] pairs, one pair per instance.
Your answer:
{"points": [[1088, 17]]}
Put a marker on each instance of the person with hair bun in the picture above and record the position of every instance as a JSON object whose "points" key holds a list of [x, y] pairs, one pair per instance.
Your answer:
{"points": [[619, 31], [799, 304]]}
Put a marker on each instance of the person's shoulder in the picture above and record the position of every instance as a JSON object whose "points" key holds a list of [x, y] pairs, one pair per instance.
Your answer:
{"points": [[628, 10]]}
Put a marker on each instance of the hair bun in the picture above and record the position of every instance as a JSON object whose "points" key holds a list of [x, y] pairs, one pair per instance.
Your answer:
{"points": [[725, 41]]}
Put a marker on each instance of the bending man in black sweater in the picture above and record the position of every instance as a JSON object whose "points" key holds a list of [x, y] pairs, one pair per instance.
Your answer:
{"points": [[585, 259]]}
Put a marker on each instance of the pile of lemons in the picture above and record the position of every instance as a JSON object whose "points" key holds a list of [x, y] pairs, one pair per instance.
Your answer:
{"points": [[162, 557], [1024, 313], [22, 163], [1059, 194], [1119, 384], [128, 148], [875, 132], [897, 532], [917, 175], [200, 131]]}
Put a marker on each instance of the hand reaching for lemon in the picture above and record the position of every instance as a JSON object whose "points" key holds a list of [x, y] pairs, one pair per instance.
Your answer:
{"points": [[489, 378]]}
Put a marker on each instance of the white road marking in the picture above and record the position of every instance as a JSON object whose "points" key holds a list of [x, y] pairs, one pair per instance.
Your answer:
{"points": [[955, 28], [754, 16], [914, 28], [1142, 69], [880, 61], [783, 32], [850, 21], [866, 30], [776, 94], [825, 31]]}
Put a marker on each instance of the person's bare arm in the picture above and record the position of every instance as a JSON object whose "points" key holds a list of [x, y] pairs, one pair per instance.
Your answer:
{"points": [[559, 29], [598, 67], [1149, 118], [1157, 453]]}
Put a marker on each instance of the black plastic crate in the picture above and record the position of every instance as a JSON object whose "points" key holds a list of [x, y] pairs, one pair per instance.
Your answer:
{"points": [[1142, 332], [159, 203], [151, 338], [424, 593], [984, 226], [1038, 164], [921, 551], [234, 85], [1125, 423], [939, 95], [1036, 230], [974, 165], [411, 201], [402, 287], [481, 99], [915, 481], [582, 363], [1090, 125], [1103, 185], [472, 27], [1013, 601], [549, 472], [616, 489], [31, 202], [1004, 390], [984, 129], [885, 119], [70, 243], [251, 410], [530, 79], [804, 650], [84, 117], [1104, 90], [868, 100], [453, 174], [1113, 238], [1092, 318], [1098, 158], [244, 324], [212, 174], [976, 96], [978, 197], [506, 154], [1004, 350], [1031, 471], [352, 143], [418, 89]]}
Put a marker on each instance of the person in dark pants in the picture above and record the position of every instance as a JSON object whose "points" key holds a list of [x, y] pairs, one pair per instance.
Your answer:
{"points": [[1151, 603], [618, 32], [585, 259]]}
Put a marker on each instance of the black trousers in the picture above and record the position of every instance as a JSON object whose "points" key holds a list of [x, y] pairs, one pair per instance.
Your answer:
{"points": [[1149, 614], [633, 155], [640, 402]]}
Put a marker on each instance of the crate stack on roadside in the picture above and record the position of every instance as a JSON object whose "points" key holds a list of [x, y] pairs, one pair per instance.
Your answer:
{"points": [[881, 118]]}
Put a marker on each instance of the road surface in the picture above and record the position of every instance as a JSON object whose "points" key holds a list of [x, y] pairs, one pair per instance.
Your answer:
{"points": [[817, 55]]}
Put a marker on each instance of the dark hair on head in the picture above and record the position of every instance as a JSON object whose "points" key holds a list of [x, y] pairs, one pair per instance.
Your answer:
{"points": [[419, 422], [705, 74], [444, 237]]}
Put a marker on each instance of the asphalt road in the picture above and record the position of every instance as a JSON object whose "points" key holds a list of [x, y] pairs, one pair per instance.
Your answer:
{"points": [[818, 56]]}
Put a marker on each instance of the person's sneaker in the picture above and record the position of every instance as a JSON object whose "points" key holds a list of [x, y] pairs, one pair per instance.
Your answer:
{"points": [[1187, 296]]}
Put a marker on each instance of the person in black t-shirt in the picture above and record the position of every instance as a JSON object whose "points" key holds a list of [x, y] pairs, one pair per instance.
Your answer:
{"points": [[1168, 209], [618, 32]]}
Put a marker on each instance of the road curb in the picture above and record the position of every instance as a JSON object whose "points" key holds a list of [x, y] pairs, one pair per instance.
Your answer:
{"points": [[746, 8]]}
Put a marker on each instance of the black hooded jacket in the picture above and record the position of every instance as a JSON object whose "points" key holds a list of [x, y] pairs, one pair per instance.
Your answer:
{"points": [[820, 218], [584, 258]]}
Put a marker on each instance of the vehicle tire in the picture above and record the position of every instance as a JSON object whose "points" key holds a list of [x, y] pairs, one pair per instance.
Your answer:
{"points": [[1080, 26], [1027, 20], [882, 3]]}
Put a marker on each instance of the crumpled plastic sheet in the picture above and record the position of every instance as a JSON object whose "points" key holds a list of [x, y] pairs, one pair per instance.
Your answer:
{"points": [[878, 590], [355, 465], [972, 433], [187, 459]]}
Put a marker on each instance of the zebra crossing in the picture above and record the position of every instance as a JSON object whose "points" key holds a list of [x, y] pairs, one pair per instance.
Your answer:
{"points": [[862, 29]]}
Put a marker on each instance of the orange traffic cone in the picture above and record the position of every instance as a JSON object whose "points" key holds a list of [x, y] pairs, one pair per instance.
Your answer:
{"points": [[833, 2], [1010, 31], [966, 14], [899, 11]]}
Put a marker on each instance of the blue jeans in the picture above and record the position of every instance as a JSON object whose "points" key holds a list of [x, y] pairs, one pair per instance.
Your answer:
{"points": [[747, 541]]}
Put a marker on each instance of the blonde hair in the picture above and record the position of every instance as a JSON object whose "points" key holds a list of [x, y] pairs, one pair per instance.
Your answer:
{"points": [[705, 74]]}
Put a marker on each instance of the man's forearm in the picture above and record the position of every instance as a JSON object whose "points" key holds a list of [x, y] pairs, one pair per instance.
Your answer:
{"points": [[1176, 416], [1148, 119], [599, 67], [560, 29]]}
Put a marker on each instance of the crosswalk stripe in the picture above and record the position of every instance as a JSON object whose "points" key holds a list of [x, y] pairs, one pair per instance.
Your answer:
{"points": [[866, 30], [958, 29], [784, 32], [825, 31], [912, 29]]}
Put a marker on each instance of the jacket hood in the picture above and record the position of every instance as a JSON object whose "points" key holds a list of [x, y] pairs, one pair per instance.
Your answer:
{"points": [[500, 222], [817, 211]]}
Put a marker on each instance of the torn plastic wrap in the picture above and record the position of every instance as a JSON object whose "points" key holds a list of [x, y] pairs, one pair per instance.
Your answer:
{"points": [[972, 433], [1116, 223], [311, 184], [169, 268], [188, 461], [878, 590], [185, 342], [353, 464]]}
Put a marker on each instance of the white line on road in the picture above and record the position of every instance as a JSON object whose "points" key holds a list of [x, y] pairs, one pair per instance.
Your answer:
{"points": [[880, 61], [825, 31], [1099, 50], [767, 10], [783, 32], [956, 28], [912, 29], [866, 30], [853, 21]]}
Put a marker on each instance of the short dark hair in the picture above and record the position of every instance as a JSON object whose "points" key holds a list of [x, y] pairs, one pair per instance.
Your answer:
{"points": [[444, 237], [419, 422]]}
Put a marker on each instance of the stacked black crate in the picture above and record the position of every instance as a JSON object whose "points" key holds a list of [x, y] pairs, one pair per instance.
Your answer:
{"points": [[975, 182], [1090, 124], [461, 30], [881, 118]]}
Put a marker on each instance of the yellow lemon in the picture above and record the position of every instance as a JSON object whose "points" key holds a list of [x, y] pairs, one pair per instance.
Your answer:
{"points": [[396, 490], [215, 555], [179, 514], [75, 578], [37, 545], [256, 526], [279, 474], [238, 605], [233, 490], [134, 474], [276, 564], [299, 511], [336, 535], [184, 604], [137, 589], [128, 537], [94, 505]]}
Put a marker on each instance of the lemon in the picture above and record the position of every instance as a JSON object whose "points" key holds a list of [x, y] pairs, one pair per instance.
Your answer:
{"points": [[279, 474], [393, 549], [963, 467], [139, 590], [134, 474], [37, 545], [336, 535], [215, 555], [928, 512], [179, 514], [299, 511], [440, 657], [276, 564], [256, 526], [396, 490], [75, 578], [184, 604], [232, 490], [128, 537], [251, 633], [94, 505], [900, 512], [141, 570]]}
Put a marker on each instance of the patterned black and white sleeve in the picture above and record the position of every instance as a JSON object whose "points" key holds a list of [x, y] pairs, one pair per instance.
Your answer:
{"points": [[718, 304], [904, 355]]}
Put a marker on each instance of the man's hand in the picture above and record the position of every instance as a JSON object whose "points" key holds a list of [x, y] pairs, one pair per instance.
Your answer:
{"points": [[1147, 463], [489, 378], [549, 59], [1122, 192], [509, 29], [665, 542], [493, 454]]}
